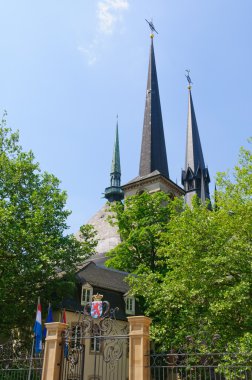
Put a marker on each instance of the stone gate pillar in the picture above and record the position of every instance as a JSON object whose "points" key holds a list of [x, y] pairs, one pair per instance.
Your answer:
{"points": [[53, 350], [139, 348]]}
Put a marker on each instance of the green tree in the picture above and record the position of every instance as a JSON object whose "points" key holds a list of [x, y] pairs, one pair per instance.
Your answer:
{"points": [[141, 220], [202, 285], [35, 250], [239, 352]]}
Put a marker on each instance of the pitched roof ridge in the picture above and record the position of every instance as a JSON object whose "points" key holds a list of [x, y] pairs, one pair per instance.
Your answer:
{"points": [[112, 269], [85, 265]]}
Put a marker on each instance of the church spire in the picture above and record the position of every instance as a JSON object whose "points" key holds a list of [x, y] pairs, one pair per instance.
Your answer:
{"points": [[114, 192], [195, 177], [115, 166], [153, 150]]}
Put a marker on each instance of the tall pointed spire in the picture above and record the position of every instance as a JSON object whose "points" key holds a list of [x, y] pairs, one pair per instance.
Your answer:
{"points": [[114, 192], [115, 166], [195, 176], [153, 150]]}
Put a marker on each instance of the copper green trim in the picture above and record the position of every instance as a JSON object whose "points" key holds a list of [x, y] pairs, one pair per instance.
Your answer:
{"points": [[116, 167], [114, 192]]}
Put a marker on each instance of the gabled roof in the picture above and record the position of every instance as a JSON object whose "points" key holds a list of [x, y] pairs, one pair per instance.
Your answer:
{"points": [[153, 175], [138, 178], [102, 277]]}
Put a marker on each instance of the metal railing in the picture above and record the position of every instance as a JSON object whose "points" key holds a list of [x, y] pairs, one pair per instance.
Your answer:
{"points": [[200, 366], [21, 369]]}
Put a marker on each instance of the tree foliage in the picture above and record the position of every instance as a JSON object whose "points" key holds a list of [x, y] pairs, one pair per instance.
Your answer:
{"points": [[239, 352], [141, 221], [204, 286], [34, 248]]}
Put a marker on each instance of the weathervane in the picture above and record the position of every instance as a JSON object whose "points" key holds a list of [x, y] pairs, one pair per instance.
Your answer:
{"points": [[152, 27], [188, 78]]}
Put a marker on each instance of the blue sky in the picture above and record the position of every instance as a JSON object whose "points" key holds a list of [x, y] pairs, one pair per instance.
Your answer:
{"points": [[68, 67]]}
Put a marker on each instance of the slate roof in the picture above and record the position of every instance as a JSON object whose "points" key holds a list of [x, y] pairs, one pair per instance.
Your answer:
{"points": [[108, 282], [153, 150], [194, 156], [195, 169], [102, 277]]}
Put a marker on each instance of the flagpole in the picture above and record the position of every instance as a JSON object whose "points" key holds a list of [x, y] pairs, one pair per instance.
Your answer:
{"points": [[30, 366]]}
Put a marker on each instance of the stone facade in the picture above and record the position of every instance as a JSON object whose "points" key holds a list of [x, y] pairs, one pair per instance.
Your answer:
{"points": [[107, 235], [152, 183]]}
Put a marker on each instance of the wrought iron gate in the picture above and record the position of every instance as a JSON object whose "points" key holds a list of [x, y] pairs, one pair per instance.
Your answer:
{"points": [[95, 348], [97, 358]]}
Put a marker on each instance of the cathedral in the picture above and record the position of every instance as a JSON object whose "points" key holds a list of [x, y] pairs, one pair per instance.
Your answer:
{"points": [[153, 168], [94, 277]]}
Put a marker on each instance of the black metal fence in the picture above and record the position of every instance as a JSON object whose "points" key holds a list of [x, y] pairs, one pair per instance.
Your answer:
{"points": [[21, 369], [95, 358], [17, 362], [201, 366]]}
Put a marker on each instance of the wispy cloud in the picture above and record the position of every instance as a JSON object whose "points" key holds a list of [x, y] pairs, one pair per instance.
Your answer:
{"points": [[90, 52], [109, 14]]}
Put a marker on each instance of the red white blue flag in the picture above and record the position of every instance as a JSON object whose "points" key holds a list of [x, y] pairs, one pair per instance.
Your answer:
{"points": [[63, 316], [38, 330]]}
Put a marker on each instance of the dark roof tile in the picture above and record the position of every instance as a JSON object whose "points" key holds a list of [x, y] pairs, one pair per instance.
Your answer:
{"points": [[103, 277]]}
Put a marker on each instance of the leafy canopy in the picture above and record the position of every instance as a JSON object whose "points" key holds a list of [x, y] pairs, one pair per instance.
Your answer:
{"points": [[201, 283], [34, 249], [141, 220]]}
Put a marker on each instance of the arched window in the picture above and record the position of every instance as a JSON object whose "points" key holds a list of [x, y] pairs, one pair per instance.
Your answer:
{"points": [[190, 184]]}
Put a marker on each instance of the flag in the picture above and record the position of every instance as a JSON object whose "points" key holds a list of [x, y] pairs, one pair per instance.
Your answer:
{"points": [[38, 330], [63, 318], [66, 348], [66, 343], [49, 319]]}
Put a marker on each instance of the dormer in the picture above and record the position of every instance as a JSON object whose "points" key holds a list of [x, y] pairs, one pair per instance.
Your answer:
{"points": [[130, 304], [86, 294]]}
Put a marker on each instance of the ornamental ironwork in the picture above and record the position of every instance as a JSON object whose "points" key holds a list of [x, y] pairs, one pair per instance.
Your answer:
{"points": [[96, 345]]}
